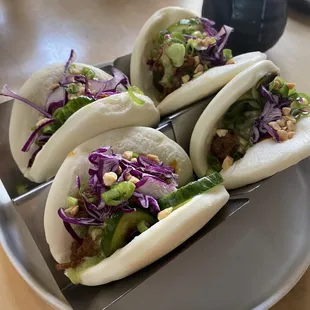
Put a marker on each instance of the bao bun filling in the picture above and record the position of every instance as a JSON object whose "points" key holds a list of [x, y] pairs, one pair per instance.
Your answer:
{"points": [[123, 196], [185, 50], [270, 109]]}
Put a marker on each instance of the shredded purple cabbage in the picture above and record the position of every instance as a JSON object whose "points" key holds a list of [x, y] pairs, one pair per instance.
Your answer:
{"points": [[155, 181], [154, 186], [72, 232], [146, 202], [55, 105], [83, 221], [69, 79], [271, 113], [111, 85], [42, 139], [214, 53], [9, 93], [70, 61], [55, 100], [32, 137], [33, 156], [208, 26]]}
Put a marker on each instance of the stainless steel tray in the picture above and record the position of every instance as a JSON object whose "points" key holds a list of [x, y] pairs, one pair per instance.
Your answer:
{"points": [[22, 234]]}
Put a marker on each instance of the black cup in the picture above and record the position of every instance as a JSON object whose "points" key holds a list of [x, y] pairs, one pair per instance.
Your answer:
{"points": [[258, 24]]}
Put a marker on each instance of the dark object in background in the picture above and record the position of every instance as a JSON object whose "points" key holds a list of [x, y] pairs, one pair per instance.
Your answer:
{"points": [[258, 24], [302, 6]]}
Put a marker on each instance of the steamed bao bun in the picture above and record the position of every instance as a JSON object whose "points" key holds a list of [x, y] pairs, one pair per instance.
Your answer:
{"points": [[102, 115], [206, 84], [262, 160], [158, 240]]}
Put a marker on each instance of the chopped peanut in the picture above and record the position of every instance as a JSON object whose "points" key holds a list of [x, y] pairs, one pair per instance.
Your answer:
{"points": [[286, 111], [185, 78], [290, 85], [119, 170], [281, 122], [197, 74], [290, 118], [134, 160], [274, 125], [290, 126], [228, 162], [282, 135], [72, 211], [291, 134], [132, 179], [153, 157], [230, 62], [222, 132], [199, 68], [127, 155], [109, 178], [197, 60]]}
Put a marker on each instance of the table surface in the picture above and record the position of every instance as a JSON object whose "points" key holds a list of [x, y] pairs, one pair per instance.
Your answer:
{"points": [[35, 33]]}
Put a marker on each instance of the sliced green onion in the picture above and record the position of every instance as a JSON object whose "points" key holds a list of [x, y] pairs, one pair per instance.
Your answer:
{"points": [[214, 163], [118, 193], [89, 73], [303, 95], [135, 155], [131, 91], [197, 34], [178, 35], [71, 202], [227, 53], [72, 69], [176, 53], [266, 79], [143, 226], [73, 88], [279, 86]]}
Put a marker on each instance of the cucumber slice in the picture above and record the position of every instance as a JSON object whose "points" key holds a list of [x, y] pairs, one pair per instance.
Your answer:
{"points": [[187, 26], [118, 228], [190, 190]]}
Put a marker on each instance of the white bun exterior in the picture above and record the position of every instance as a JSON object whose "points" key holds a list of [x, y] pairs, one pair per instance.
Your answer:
{"points": [[201, 87], [102, 115], [139, 139], [262, 160], [158, 240]]}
